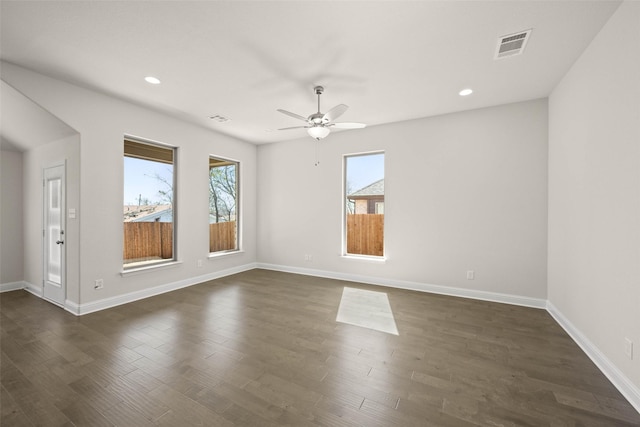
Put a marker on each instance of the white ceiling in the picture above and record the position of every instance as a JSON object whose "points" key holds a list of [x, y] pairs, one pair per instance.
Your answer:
{"points": [[388, 60]]}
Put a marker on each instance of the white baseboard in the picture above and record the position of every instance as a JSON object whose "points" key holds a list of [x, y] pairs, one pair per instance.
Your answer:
{"points": [[12, 286], [629, 390], [80, 309], [33, 289], [71, 307], [414, 286]]}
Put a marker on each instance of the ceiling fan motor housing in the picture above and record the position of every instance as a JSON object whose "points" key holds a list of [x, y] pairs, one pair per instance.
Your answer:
{"points": [[318, 119]]}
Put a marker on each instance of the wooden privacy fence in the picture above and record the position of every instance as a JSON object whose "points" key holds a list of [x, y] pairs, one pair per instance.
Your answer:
{"points": [[149, 240], [365, 234], [144, 240], [222, 236]]}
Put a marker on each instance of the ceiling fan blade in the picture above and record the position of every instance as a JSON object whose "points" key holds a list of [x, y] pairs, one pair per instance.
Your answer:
{"points": [[295, 127], [335, 112], [347, 125], [294, 115]]}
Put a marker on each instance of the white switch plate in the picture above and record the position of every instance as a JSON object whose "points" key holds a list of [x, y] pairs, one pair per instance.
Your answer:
{"points": [[471, 275]]}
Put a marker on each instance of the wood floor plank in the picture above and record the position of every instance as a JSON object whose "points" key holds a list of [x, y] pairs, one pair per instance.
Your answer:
{"points": [[33, 402], [123, 414], [263, 348], [248, 401], [134, 400], [81, 413], [241, 416], [10, 412], [98, 396], [58, 392], [188, 410]]}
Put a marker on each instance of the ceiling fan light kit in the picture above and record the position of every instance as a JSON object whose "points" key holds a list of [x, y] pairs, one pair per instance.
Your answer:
{"points": [[318, 132], [318, 124]]}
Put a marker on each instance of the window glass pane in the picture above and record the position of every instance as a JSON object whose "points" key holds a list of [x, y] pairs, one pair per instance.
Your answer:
{"points": [[148, 204], [364, 204], [54, 190], [223, 205], [54, 223]]}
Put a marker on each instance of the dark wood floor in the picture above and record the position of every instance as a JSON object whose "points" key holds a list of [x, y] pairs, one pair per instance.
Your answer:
{"points": [[263, 348]]}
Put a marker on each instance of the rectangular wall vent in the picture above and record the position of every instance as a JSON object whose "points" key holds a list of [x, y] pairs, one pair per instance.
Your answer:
{"points": [[512, 44]]}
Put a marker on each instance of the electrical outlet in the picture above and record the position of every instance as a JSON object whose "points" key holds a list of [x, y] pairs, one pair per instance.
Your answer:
{"points": [[470, 274], [99, 284], [308, 257], [199, 263], [628, 348]]}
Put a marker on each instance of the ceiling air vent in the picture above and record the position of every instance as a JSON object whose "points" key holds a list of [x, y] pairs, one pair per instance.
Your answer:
{"points": [[219, 119], [512, 44]]}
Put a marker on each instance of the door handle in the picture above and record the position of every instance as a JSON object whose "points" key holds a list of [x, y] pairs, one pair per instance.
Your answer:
{"points": [[59, 242]]}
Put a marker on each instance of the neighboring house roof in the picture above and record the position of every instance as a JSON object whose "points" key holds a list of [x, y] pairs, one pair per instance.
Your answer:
{"points": [[375, 189], [135, 213]]}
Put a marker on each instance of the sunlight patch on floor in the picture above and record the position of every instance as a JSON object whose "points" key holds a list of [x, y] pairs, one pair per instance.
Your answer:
{"points": [[368, 309]]}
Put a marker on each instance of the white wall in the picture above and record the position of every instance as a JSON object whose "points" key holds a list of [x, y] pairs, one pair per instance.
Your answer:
{"points": [[101, 122], [11, 245], [464, 191], [594, 192]]}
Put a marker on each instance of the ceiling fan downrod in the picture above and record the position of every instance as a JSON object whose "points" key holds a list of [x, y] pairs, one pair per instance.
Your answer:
{"points": [[318, 90], [318, 119]]}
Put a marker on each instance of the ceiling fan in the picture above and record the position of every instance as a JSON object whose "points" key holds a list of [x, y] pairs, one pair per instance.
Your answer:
{"points": [[319, 125]]}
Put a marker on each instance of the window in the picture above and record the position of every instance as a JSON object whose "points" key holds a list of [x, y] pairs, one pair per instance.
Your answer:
{"points": [[364, 204], [223, 205], [149, 204]]}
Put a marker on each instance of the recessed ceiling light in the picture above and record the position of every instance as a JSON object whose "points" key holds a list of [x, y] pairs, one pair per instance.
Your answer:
{"points": [[465, 92], [152, 80]]}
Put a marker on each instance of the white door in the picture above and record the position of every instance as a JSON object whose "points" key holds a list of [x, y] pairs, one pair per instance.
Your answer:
{"points": [[54, 237]]}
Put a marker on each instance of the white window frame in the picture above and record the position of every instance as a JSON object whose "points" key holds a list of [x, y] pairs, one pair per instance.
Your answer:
{"points": [[343, 204], [239, 210], [174, 210]]}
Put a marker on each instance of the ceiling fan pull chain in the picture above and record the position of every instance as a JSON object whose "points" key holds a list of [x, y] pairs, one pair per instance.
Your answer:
{"points": [[317, 161]]}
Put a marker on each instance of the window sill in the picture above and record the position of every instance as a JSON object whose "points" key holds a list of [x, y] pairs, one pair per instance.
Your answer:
{"points": [[213, 255], [138, 270], [367, 258]]}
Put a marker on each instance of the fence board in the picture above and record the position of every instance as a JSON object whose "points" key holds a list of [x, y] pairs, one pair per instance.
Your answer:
{"points": [[365, 234], [222, 236], [143, 240]]}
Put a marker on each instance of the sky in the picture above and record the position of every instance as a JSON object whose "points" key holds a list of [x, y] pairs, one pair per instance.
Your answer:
{"points": [[139, 179], [139, 176], [364, 170]]}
